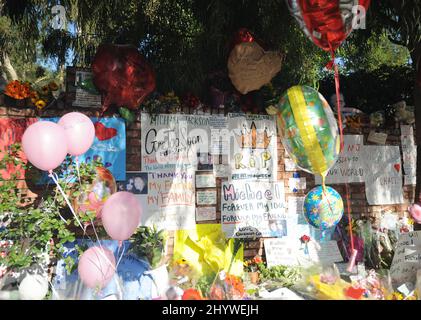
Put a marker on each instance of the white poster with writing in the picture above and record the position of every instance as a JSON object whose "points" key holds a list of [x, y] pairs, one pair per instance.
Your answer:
{"points": [[205, 213], [349, 167], [253, 209], [383, 183], [176, 141], [170, 201], [407, 259], [281, 252], [254, 150]]}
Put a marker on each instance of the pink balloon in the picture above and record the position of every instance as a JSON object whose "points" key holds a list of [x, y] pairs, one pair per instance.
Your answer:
{"points": [[121, 215], [80, 132], [96, 267], [415, 211], [44, 144]]}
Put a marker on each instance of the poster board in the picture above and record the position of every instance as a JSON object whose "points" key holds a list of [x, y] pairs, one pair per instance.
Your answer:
{"points": [[407, 259], [178, 141], [350, 166], [168, 198], [253, 209], [254, 151], [383, 183]]}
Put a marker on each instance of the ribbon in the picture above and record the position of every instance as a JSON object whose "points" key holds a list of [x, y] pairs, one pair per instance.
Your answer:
{"points": [[338, 104]]}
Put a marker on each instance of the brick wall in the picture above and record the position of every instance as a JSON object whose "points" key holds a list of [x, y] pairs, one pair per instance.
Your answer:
{"points": [[359, 205]]}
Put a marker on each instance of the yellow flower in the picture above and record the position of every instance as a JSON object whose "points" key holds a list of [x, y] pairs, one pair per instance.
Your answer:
{"points": [[40, 104]]}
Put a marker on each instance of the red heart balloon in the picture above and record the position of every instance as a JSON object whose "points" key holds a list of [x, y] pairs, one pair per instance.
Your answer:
{"points": [[123, 75], [327, 22]]}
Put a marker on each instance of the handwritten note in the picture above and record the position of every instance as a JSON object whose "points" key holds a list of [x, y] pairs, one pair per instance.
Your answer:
{"points": [[377, 137], [206, 197], [350, 166], [205, 180], [280, 252], [406, 260], [205, 213]]}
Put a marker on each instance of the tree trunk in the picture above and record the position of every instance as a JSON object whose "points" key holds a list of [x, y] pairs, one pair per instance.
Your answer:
{"points": [[8, 68]]}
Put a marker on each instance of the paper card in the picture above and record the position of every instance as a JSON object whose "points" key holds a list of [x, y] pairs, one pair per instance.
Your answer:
{"points": [[280, 252], [407, 130], [377, 137], [206, 197], [295, 205], [205, 180], [324, 252], [290, 165], [410, 180], [205, 213], [296, 184], [406, 289]]}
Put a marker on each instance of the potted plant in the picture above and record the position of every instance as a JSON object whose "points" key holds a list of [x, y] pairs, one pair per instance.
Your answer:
{"points": [[252, 268], [150, 243]]}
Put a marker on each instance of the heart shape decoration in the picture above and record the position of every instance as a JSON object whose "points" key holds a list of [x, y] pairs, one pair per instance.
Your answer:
{"points": [[104, 133], [250, 67], [397, 167]]}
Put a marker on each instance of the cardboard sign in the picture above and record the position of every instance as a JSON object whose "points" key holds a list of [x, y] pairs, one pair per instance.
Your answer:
{"points": [[253, 209]]}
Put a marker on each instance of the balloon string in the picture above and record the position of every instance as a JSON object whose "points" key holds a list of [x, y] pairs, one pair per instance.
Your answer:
{"points": [[52, 176], [77, 170], [121, 256], [348, 209], [338, 103]]}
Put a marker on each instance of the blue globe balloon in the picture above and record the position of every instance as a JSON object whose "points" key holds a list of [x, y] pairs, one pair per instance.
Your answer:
{"points": [[323, 209]]}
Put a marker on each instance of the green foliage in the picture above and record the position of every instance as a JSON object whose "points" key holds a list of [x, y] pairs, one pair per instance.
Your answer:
{"points": [[282, 275], [33, 227], [150, 243]]}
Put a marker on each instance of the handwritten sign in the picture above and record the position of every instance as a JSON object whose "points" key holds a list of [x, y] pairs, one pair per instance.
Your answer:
{"points": [[253, 209], [175, 141], [205, 213], [280, 252], [206, 197], [325, 253], [350, 166], [383, 183], [254, 153], [205, 180], [168, 198], [406, 260]]}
